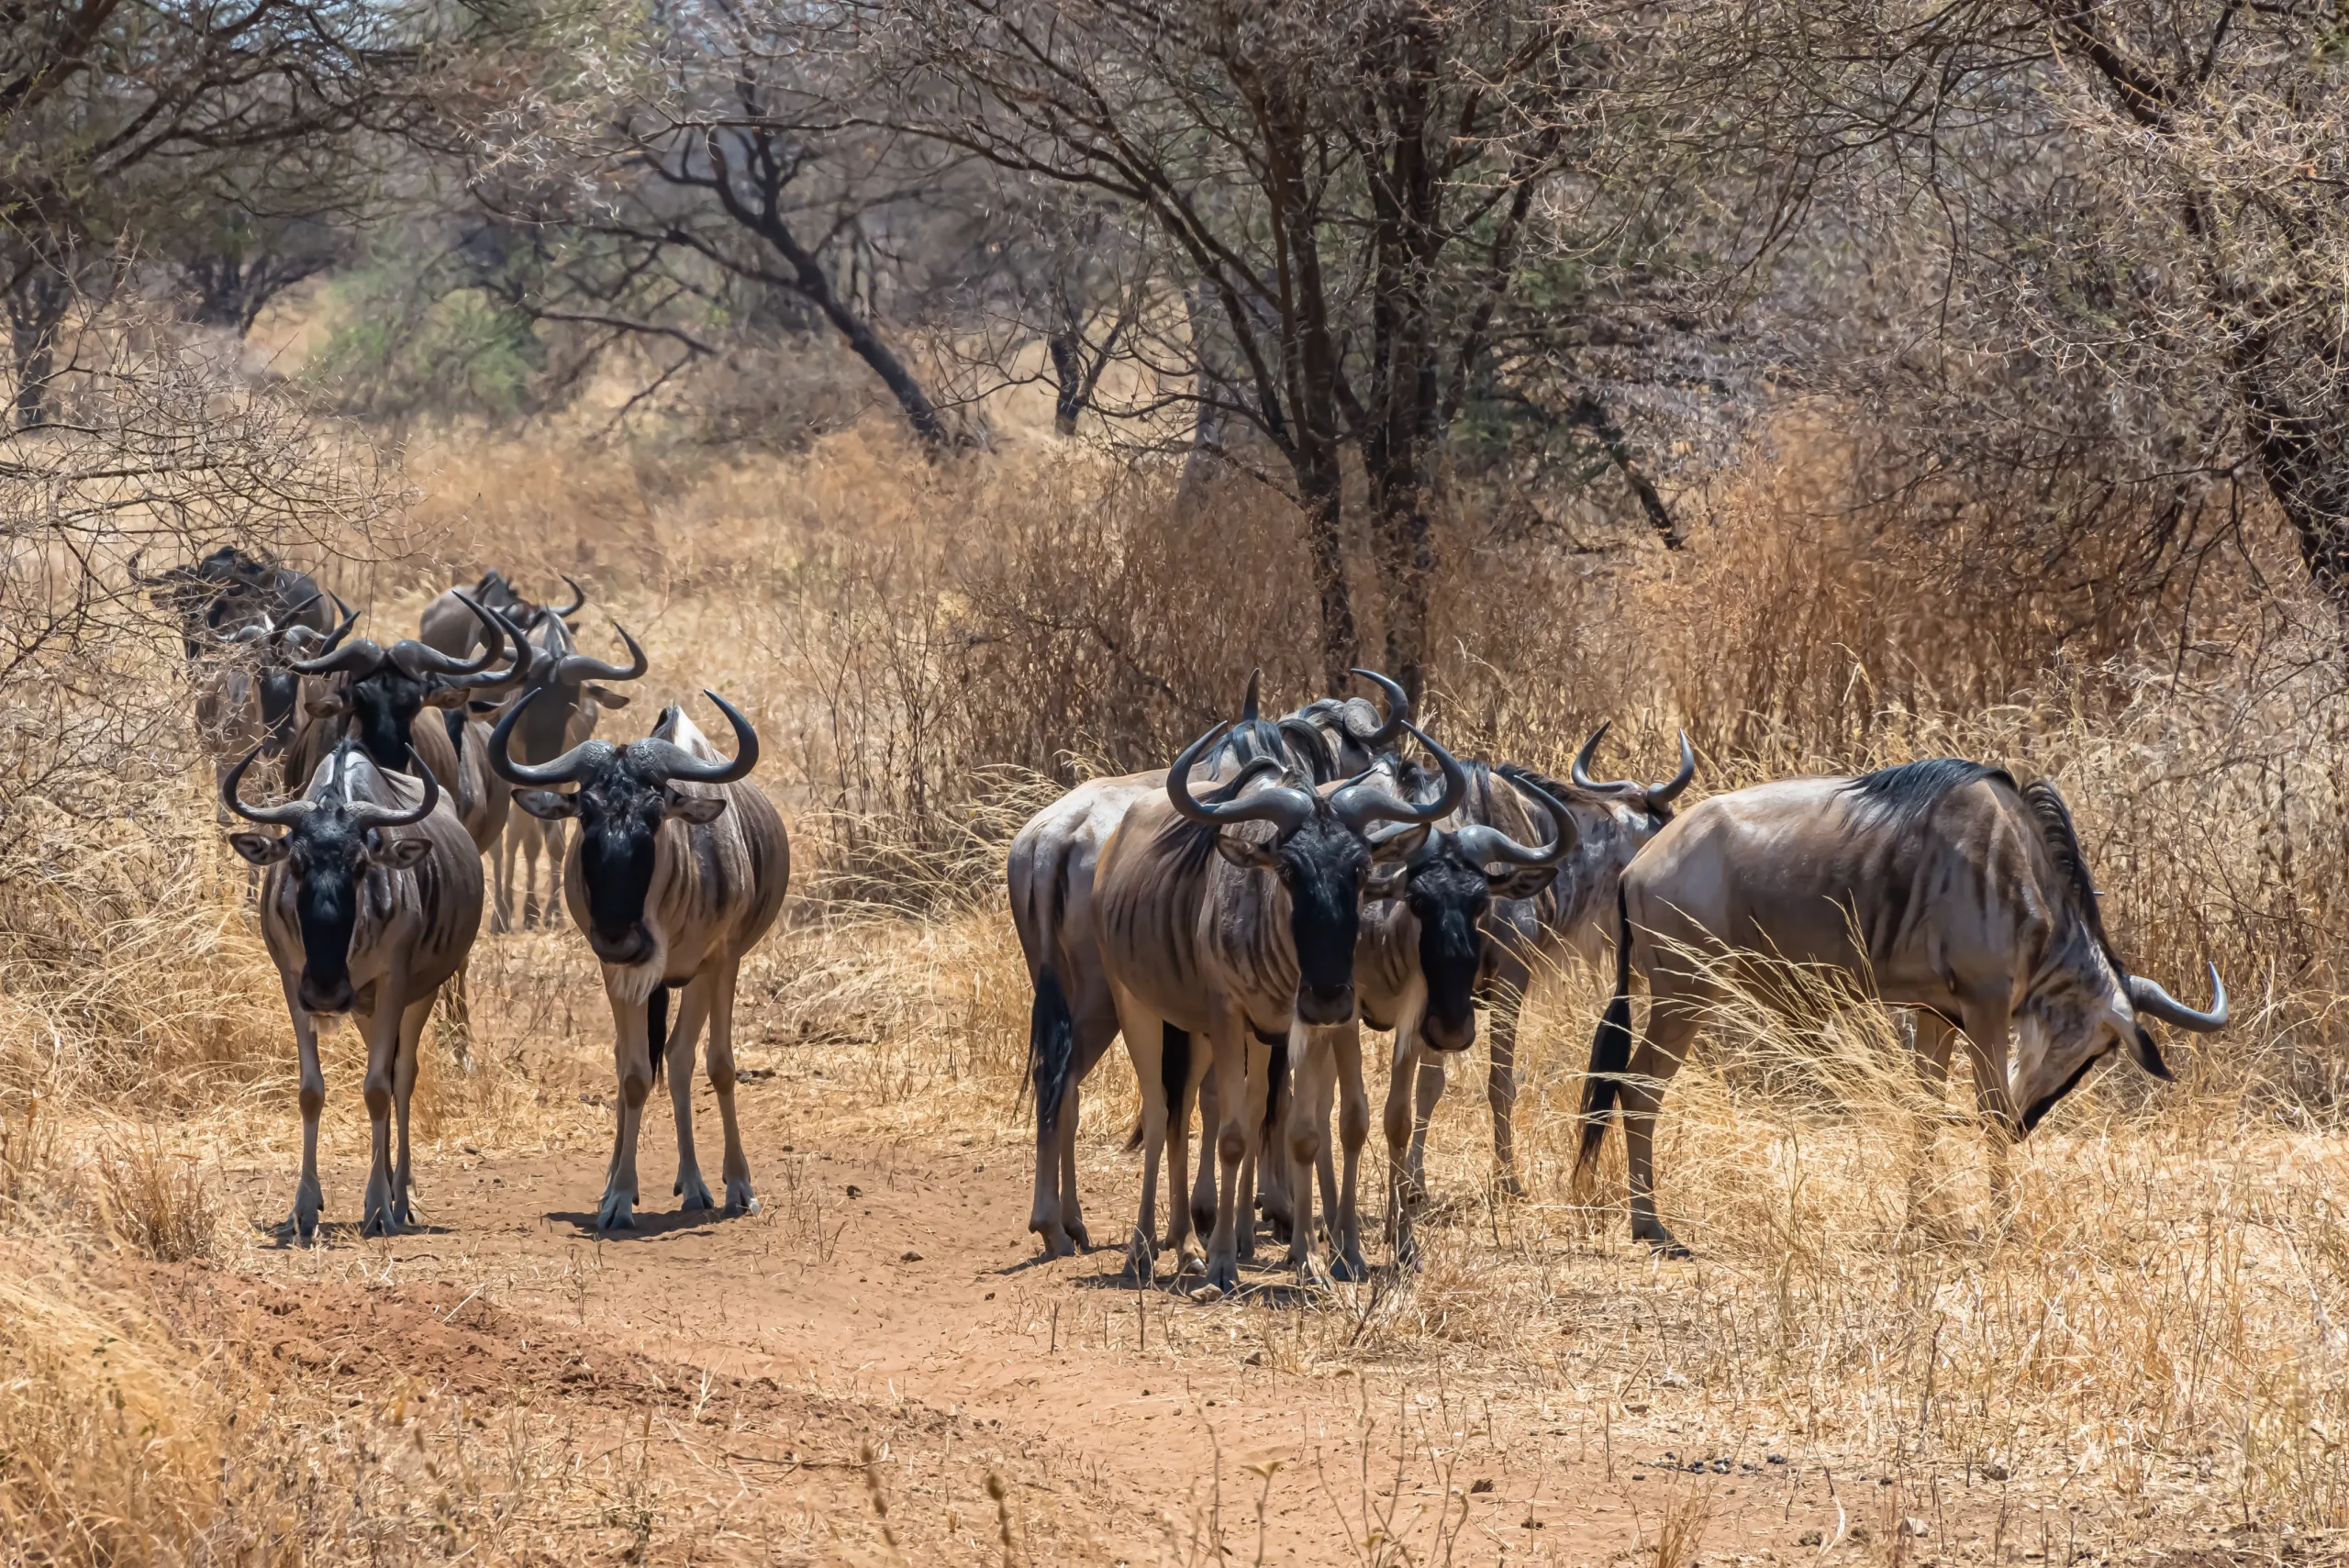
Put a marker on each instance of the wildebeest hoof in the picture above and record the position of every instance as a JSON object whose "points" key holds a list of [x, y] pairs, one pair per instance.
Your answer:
{"points": [[618, 1213], [379, 1222], [1347, 1268], [1663, 1244], [696, 1192], [1206, 1294], [739, 1198], [1508, 1185], [1223, 1277], [1078, 1237]]}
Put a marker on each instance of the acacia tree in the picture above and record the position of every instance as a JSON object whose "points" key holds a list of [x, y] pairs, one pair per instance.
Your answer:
{"points": [[1340, 189]]}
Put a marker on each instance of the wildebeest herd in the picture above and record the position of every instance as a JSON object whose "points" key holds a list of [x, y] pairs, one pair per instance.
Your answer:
{"points": [[1237, 916]]}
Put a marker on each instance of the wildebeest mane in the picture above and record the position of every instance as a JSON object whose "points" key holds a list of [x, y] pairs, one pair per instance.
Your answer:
{"points": [[1907, 790], [1193, 842], [2063, 840]]}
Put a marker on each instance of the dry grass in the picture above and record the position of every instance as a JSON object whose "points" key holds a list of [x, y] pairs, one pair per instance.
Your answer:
{"points": [[2157, 1331]]}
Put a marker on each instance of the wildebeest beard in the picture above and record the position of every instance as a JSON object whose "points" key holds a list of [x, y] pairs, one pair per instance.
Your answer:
{"points": [[383, 714], [1321, 867], [328, 880], [620, 835]]}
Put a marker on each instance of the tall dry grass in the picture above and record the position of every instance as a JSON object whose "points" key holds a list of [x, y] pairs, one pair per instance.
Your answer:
{"points": [[932, 648]]}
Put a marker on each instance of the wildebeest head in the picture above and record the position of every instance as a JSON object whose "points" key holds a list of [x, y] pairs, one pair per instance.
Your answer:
{"points": [[332, 840], [228, 590], [625, 793], [1320, 854], [383, 691], [1448, 883], [2082, 1003]]}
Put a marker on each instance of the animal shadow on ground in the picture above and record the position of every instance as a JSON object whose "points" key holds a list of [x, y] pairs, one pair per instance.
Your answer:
{"points": [[650, 1223], [278, 1235]]}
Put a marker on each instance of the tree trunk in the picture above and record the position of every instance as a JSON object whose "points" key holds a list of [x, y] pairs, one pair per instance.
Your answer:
{"points": [[1067, 351], [1320, 493], [34, 312]]}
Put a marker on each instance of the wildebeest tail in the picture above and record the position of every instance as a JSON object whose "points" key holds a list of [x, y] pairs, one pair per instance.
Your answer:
{"points": [[1052, 1049], [1174, 1077], [1611, 1049], [1277, 1088], [656, 1029]]}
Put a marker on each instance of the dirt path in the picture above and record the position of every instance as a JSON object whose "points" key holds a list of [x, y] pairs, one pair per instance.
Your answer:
{"points": [[889, 1296]]}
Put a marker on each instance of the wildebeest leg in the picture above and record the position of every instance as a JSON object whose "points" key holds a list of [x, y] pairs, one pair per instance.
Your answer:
{"points": [[1353, 1131], [739, 1196], [1190, 1211], [1301, 1145], [555, 910], [1239, 1069], [382, 1031], [501, 914], [1500, 1083], [304, 1221], [1401, 1199], [1428, 1088], [1986, 1021], [632, 1065], [1268, 1184], [1932, 1038], [457, 1013], [1673, 1019], [1146, 1035], [412, 1021], [693, 1006], [1203, 1189]]}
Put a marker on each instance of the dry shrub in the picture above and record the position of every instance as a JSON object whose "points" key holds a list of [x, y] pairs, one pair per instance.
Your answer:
{"points": [[154, 1203]]}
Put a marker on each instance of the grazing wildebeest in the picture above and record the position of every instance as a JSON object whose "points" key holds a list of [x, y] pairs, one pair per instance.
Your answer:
{"points": [[1941, 884], [1050, 873], [370, 902], [559, 721], [449, 627], [1541, 923], [1205, 925], [678, 869], [381, 694], [228, 590]]}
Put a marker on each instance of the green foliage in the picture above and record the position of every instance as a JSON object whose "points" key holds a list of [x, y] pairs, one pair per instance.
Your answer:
{"points": [[428, 338]]}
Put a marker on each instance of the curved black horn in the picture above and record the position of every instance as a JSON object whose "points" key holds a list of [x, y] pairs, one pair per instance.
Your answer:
{"points": [[675, 762], [564, 769], [1580, 771], [578, 667], [1399, 711], [1285, 806], [421, 659], [251, 632], [1481, 844], [362, 659], [1663, 794], [578, 600], [1248, 700], [367, 814], [1368, 801], [2148, 997], [283, 815]]}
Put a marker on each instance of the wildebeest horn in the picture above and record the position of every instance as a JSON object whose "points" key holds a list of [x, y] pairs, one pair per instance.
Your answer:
{"points": [[1664, 794], [283, 815], [1367, 801], [367, 814], [1482, 845], [141, 578], [1248, 701], [1285, 806], [578, 667], [362, 659], [675, 762], [1399, 711], [564, 769], [578, 601], [2148, 997], [331, 640], [244, 634], [420, 659]]}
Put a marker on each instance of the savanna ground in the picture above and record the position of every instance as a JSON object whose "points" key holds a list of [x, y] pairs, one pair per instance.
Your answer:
{"points": [[1858, 1366]]}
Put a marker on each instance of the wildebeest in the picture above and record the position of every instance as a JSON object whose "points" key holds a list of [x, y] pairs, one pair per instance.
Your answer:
{"points": [[1050, 873], [557, 722], [1570, 914], [246, 694], [1212, 928], [1942, 884], [679, 868], [379, 694], [370, 902], [228, 590], [449, 627]]}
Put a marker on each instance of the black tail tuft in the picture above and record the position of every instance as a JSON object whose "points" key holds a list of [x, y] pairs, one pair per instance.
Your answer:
{"points": [[1174, 1078], [656, 1029], [1051, 1051], [1276, 1087], [1611, 1049]]}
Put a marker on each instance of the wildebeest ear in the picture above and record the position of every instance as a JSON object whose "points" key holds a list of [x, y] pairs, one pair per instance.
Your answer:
{"points": [[258, 848], [606, 697], [1385, 882], [1520, 881], [449, 697], [695, 809], [545, 804], [2148, 1054], [326, 704], [1402, 846], [397, 855], [1246, 853]]}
